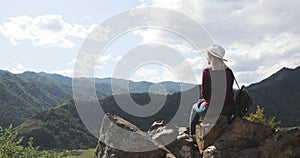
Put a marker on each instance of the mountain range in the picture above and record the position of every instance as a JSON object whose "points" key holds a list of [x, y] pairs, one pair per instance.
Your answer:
{"points": [[23, 95], [278, 95], [28, 94]]}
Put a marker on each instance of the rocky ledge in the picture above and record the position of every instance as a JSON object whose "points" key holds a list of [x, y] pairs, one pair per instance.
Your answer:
{"points": [[240, 139]]}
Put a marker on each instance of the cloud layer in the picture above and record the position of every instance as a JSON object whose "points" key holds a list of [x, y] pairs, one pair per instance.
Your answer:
{"points": [[46, 30], [260, 36]]}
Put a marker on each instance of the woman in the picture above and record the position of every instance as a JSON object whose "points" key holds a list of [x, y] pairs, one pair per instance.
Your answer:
{"points": [[216, 64]]}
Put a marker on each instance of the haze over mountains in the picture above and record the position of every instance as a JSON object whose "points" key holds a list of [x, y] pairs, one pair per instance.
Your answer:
{"points": [[23, 95], [26, 98]]}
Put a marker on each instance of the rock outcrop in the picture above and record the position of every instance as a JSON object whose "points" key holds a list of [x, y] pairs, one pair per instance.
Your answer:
{"points": [[281, 144], [243, 139], [133, 142], [240, 139], [119, 138]]}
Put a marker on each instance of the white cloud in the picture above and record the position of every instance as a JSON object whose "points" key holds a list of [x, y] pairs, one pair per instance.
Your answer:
{"points": [[256, 62], [66, 72], [179, 73], [150, 74], [244, 20], [46, 31], [163, 37], [99, 33], [260, 36], [188, 70], [119, 58], [72, 62], [169, 74], [18, 69], [262, 72], [197, 63], [104, 60], [157, 74], [141, 4], [88, 61]]}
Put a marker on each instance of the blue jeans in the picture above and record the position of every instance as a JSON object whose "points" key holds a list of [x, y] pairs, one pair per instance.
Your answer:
{"points": [[194, 118]]}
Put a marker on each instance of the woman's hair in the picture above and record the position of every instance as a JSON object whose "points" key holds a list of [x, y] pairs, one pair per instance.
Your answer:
{"points": [[216, 63]]}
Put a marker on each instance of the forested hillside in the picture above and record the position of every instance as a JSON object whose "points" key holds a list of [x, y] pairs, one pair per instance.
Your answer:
{"points": [[21, 98], [23, 95], [57, 128], [279, 94]]}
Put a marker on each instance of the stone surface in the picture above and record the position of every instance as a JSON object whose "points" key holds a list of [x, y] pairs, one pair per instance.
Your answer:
{"points": [[281, 144], [216, 131], [119, 138], [240, 139], [183, 148]]}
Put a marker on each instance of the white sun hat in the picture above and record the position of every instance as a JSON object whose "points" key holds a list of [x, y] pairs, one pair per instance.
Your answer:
{"points": [[217, 51]]}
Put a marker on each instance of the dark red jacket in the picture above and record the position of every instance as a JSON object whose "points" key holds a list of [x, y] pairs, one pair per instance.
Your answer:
{"points": [[206, 89]]}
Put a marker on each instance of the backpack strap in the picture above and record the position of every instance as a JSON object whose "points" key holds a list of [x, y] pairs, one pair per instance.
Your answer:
{"points": [[236, 82]]}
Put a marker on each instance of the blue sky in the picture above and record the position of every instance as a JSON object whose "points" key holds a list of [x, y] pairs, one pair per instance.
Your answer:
{"points": [[55, 58], [260, 36]]}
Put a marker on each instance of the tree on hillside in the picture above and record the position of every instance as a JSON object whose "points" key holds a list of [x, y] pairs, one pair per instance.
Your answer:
{"points": [[10, 147], [259, 117]]}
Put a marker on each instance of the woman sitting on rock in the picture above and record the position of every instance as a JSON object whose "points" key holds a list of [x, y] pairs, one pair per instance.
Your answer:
{"points": [[216, 64]]}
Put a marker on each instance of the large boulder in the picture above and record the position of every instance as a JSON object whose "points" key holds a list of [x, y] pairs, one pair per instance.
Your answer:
{"points": [[215, 132], [119, 138], [239, 140], [281, 144]]}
